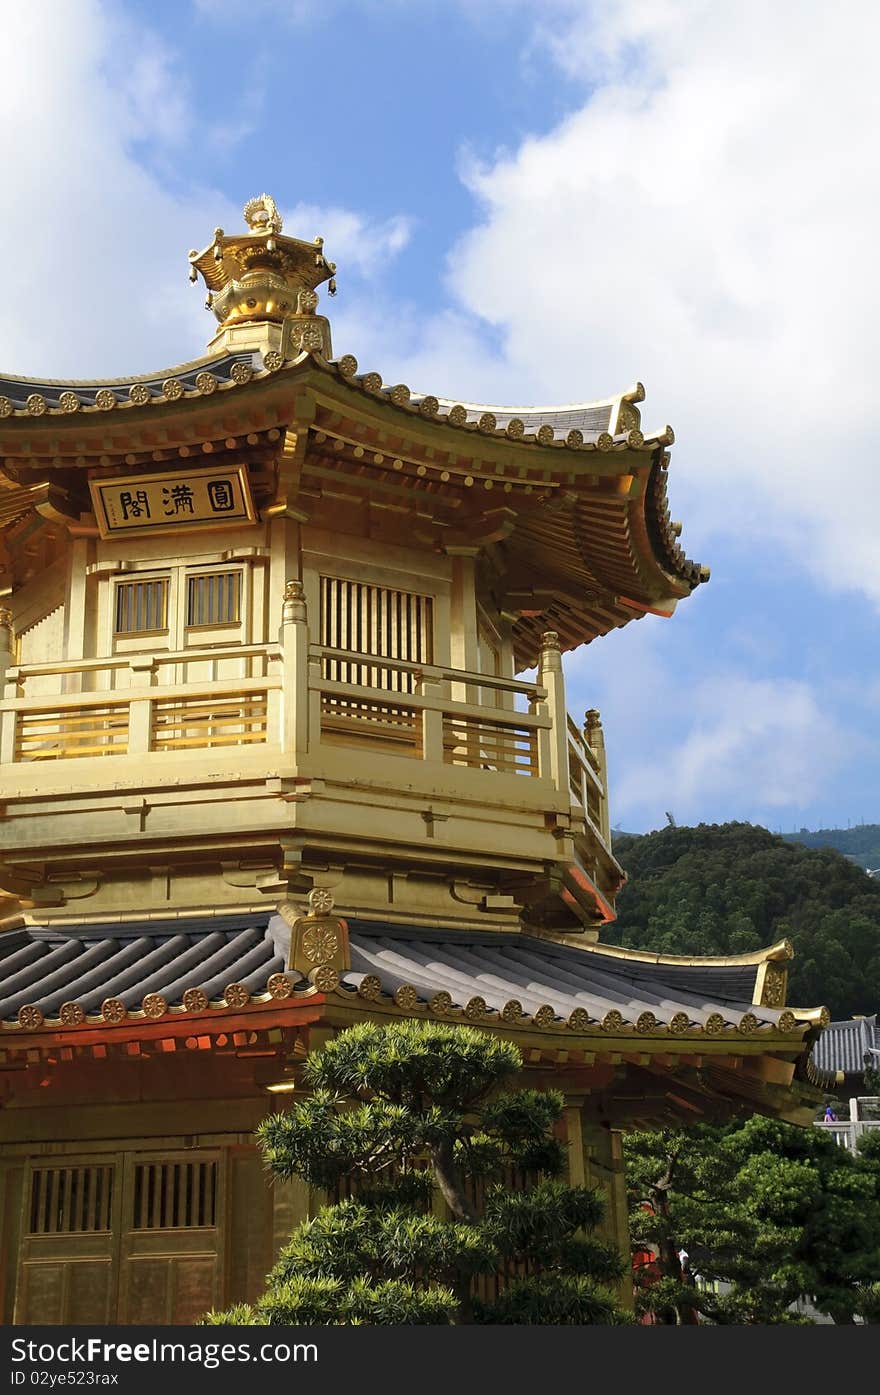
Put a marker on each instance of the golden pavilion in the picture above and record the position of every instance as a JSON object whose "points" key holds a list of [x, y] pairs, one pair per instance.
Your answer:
{"points": [[268, 767]]}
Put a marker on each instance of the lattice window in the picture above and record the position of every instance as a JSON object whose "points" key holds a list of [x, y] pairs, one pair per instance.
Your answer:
{"points": [[142, 606], [68, 1200], [213, 598], [175, 1195], [375, 620]]}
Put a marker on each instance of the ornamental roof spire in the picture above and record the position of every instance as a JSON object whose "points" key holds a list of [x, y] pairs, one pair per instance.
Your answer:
{"points": [[262, 285]]}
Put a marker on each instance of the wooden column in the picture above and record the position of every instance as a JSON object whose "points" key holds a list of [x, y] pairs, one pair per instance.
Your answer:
{"points": [[8, 719], [550, 676], [595, 739], [603, 1167], [294, 639]]}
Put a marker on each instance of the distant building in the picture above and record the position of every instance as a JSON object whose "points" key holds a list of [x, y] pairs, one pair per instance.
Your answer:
{"points": [[843, 1046]]}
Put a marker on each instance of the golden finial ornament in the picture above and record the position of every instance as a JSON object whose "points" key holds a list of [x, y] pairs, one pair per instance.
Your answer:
{"points": [[260, 276]]}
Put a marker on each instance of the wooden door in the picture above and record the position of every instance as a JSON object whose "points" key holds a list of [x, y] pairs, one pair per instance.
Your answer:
{"points": [[69, 1257], [122, 1238], [171, 1265]]}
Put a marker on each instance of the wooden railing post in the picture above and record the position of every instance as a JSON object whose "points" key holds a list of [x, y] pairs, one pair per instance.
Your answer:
{"points": [[595, 739], [550, 676], [432, 718], [140, 710], [294, 638]]}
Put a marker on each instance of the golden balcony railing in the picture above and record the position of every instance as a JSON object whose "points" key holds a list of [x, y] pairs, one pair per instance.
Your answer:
{"points": [[479, 728], [286, 703]]}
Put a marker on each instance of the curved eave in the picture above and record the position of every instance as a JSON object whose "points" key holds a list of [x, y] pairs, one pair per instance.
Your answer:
{"points": [[604, 549], [609, 424], [781, 950]]}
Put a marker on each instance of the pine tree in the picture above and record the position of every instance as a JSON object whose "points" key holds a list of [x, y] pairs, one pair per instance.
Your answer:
{"points": [[413, 1119], [772, 1211]]}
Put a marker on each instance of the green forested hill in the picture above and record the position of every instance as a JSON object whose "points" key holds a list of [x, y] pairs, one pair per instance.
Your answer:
{"points": [[728, 888], [862, 843]]}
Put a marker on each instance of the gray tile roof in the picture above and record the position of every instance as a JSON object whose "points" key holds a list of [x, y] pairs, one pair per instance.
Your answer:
{"points": [[45, 967], [500, 967], [18, 390], [591, 418], [843, 1045], [86, 964]]}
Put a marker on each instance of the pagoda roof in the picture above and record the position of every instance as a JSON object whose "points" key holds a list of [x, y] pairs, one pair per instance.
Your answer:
{"points": [[576, 425], [573, 496], [690, 1035], [591, 987]]}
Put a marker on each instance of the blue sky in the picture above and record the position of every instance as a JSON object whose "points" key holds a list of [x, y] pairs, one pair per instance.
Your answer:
{"points": [[531, 201]]}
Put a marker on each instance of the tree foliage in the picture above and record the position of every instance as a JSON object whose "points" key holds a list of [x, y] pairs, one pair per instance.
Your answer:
{"points": [[860, 844], [731, 888], [774, 1211], [417, 1121]]}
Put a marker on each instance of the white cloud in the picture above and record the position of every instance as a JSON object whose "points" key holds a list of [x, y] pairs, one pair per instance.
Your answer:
{"points": [[706, 222], [354, 242], [749, 747], [92, 239]]}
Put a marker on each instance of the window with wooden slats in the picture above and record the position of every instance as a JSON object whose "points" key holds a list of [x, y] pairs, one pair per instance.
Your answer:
{"points": [[375, 620], [175, 1195], [70, 1200], [141, 606], [213, 598]]}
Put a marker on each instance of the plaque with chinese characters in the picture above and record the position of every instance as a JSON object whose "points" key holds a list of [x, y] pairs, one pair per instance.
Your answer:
{"points": [[175, 499]]}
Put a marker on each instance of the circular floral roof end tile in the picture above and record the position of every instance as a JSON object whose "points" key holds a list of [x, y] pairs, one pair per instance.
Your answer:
{"points": [[236, 995], [475, 1009], [195, 1000], [325, 978], [280, 986]]}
